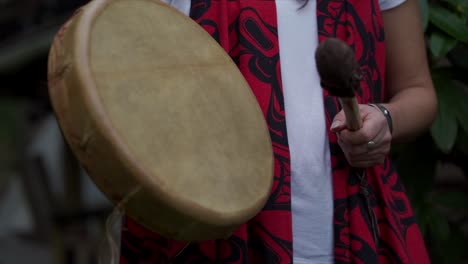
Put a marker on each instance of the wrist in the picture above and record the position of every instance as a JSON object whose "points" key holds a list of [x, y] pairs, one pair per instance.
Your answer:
{"points": [[386, 114]]}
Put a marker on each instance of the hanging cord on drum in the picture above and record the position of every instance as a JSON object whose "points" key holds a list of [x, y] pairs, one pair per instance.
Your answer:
{"points": [[110, 246], [109, 251], [171, 260]]}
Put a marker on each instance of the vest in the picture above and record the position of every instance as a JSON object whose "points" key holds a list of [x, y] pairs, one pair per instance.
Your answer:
{"points": [[373, 220]]}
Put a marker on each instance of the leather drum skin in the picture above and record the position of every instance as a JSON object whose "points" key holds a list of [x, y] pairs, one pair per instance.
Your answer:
{"points": [[160, 118]]}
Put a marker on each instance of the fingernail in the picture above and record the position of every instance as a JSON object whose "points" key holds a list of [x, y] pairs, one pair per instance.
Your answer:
{"points": [[335, 125]]}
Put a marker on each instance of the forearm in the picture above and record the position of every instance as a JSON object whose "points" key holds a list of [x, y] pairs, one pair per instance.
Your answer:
{"points": [[413, 111], [413, 103]]}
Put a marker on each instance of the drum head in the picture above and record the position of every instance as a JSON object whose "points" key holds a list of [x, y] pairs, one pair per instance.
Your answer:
{"points": [[161, 118]]}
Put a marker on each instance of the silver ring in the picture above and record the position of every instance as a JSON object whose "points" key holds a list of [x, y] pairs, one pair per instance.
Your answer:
{"points": [[371, 145]]}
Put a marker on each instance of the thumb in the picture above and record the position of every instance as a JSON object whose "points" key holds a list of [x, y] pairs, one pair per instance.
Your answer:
{"points": [[339, 122]]}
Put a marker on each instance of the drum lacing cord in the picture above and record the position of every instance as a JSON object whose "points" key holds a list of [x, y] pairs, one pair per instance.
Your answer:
{"points": [[112, 245], [172, 259]]}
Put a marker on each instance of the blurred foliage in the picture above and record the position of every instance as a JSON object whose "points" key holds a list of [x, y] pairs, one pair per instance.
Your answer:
{"points": [[11, 112], [442, 212]]}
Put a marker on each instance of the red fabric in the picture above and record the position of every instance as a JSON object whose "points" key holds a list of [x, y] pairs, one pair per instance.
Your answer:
{"points": [[247, 30]]}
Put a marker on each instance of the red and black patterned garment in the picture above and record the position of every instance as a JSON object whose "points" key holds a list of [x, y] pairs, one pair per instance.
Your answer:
{"points": [[247, 30]]}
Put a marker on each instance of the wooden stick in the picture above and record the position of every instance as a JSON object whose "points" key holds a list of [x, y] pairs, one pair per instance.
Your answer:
{"points": [[351, 109], [339, 72]]}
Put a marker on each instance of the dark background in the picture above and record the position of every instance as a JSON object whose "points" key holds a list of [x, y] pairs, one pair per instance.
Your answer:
{"points": [[50, 211]]}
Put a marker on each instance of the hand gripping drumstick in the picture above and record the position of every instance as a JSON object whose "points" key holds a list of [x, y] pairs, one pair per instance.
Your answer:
{"points": [[340, 75]]}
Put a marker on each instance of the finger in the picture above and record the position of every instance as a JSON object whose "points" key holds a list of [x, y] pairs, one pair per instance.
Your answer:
{"points": [[358, 149], [374, 124], [378, 145], [355, 137], [370, 131], [339, 122], [362, 153], [366, 150]]}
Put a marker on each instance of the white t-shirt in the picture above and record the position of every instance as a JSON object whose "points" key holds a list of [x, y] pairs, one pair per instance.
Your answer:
{"points": [[311, 177], [311, 182]]}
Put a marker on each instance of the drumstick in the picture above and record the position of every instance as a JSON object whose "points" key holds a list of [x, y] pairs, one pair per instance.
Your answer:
{"points": [[340, 75]]}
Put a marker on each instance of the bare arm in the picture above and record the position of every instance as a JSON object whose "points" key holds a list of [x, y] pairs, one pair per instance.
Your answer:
{"points": [[413, 103]]}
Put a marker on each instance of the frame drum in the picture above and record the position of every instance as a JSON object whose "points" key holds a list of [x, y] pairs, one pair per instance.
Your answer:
{"points": [[161, 118]]}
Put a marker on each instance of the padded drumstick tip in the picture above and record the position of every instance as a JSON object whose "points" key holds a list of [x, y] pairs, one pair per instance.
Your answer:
{"points": [[340, 74], [337, 67]]}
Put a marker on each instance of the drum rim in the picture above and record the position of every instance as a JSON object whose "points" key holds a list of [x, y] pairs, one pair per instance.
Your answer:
{"points": [[97, 113]]}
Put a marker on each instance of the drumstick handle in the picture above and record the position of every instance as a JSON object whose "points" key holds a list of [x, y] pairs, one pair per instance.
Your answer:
{"points": [[351, 109]]}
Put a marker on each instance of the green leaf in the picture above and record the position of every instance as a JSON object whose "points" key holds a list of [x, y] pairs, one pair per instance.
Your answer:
{"points": [[449, 22], [460, 5], [462, 142], [8, 115], [461, 105], [453, 200], [424, 9], [451, 88], [441, 44], [439, 226], [459, 56], [416, 166], [452, 94], [444, 129], [422, 218]]}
